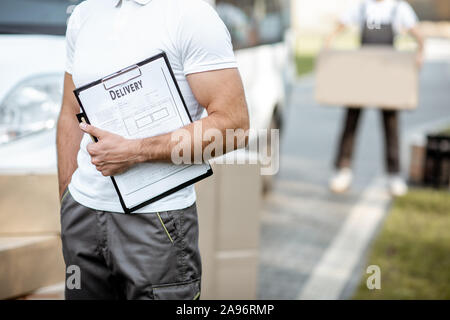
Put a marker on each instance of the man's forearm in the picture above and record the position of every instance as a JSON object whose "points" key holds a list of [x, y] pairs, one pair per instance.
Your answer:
{"points": [[330, 38], [225, 129], [160, 148], [67, 143]]}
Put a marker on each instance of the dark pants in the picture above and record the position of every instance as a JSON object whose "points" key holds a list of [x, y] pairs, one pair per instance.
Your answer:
{"points": [[346, 146], [141, 256]]}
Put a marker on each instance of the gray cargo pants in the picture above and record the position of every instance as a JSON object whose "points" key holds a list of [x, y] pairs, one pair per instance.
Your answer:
{"points": [[140, 256]]}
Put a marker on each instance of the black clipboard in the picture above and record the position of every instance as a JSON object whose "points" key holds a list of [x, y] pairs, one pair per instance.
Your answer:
{"points": [[83, 117]]}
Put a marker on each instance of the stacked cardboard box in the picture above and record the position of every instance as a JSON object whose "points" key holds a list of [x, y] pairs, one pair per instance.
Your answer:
{"points": [[229, 206], [30, 245]]}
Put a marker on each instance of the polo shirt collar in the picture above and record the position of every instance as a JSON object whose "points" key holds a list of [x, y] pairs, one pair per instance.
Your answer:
{"points": [[141, 2]]}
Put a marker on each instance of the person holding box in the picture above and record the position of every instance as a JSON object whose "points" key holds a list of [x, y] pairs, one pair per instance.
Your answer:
{"points": [[380, 21]]}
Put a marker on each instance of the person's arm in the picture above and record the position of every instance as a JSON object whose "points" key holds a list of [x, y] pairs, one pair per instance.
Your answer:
{"points": [[220, 92], [415, 32], [68, 135], [329, 39], [351, 16]]}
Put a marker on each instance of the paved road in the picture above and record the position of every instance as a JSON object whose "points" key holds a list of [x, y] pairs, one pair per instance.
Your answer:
{"points": [[301, 218]]}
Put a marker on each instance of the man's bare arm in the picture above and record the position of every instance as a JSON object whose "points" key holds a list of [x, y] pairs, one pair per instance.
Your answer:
{"points": [[220, 92], [330, 38], [68, 135], [415, 32]]}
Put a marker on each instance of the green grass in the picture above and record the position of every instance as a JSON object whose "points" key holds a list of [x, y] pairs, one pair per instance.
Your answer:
{"points": [[446, 132], [305, 63], [309, 45], [413, 249]]}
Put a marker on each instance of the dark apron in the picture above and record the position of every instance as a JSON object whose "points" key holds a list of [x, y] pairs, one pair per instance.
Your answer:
{"points": [[379, 34]]}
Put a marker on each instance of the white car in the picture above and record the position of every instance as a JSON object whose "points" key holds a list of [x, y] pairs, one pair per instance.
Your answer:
{"points": [[32, 59]]}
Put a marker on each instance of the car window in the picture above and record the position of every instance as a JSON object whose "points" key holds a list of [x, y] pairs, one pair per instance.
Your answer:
{"points": [[254, 22], [35, 16]]}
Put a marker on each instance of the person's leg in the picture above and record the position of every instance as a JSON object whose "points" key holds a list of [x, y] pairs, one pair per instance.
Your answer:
{"points": [[342, 179], [347, 142], [156, 254], [390, 124], [82, 238], [397, 184]]}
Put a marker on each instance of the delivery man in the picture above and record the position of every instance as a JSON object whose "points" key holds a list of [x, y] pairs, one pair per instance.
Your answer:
{"points": [[380, 21], [154, 253]]}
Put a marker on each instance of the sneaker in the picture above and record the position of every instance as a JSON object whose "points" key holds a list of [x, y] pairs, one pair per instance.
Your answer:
{"points": [[341, 180], [397, 186]]}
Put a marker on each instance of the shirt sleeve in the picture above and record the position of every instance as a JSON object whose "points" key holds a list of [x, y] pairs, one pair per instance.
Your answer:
{"points": [[353, 15], [73, 26], [406, 17], [204, 46]]}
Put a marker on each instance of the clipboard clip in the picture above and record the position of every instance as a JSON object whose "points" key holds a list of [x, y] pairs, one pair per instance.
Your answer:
{"points": [[82, 118], [117, 78]]}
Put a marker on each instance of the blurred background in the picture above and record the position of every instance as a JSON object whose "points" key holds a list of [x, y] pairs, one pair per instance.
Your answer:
{"points": [[279, 237]]}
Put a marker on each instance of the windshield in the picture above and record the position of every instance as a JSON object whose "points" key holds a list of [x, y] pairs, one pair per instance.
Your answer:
{"points": [[254, 22], [35, 16]]}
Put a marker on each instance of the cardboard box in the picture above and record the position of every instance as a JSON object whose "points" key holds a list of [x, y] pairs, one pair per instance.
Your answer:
{"points": [[229, 206], [28, 263], [369, 77], [237, 275], [29, 204]]}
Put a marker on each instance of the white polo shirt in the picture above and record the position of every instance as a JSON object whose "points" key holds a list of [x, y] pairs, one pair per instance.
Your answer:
{"points": [[104, 36], [381, 12]]}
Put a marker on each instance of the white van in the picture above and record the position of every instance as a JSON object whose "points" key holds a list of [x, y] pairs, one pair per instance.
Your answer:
{"points": [[32, 58]]}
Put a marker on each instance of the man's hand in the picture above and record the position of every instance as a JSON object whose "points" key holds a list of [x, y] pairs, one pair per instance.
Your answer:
{"points": [[112, 154], [61, 192]]}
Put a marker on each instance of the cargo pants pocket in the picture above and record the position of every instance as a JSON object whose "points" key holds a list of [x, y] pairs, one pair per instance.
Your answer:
{"points": [[178, 291], [168, 224]]}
